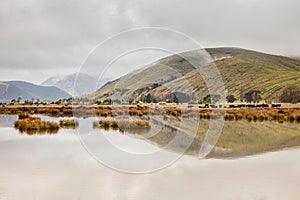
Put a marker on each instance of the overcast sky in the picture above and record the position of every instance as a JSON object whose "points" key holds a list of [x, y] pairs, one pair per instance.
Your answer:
{"points": [[40, 38]]}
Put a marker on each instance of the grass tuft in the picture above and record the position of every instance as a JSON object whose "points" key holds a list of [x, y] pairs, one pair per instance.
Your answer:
{"points": [[68, 123], [122, 125], [34, 125]]}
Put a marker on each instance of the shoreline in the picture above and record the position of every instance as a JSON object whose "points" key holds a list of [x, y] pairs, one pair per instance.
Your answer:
{"points": [[290, 113]]}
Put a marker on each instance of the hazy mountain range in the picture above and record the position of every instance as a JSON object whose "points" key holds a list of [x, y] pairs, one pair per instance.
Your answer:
{"points": [[27, 91], [53, 88]]}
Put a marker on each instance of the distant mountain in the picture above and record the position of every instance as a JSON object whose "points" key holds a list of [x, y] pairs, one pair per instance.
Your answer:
{"points": [[242, 70], [85, 84], [13, 89]]}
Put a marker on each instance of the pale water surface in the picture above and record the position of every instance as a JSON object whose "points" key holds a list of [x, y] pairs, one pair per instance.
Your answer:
{"points": [[58, 167]]}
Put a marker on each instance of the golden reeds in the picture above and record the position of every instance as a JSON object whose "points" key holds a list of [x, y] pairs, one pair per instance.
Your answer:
{"points": [[258, 114], [122, 125], [36, 125], [68, 123]]}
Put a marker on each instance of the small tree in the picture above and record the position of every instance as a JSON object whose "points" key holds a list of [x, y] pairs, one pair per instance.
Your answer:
{"points": [[19, 99], [148, 98], [230, 98], [211, 98], [98, 102], [242, 94], [291, 94], [13, 101], [107, 101], [253, 96]]}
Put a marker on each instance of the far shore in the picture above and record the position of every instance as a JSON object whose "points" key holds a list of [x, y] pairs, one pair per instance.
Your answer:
{"points": [[255, 113]]}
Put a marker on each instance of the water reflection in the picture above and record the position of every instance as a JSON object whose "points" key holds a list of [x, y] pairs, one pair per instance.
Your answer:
{"points": [[7, 120], [239, 138], [57, 167], [124, 125], [39, 132]]}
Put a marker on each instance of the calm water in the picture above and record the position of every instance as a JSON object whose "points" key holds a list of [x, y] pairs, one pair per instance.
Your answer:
{"points": [[59, 167]]}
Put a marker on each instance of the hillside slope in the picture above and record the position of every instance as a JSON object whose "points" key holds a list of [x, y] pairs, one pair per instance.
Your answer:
{"points": [[240, 70]]}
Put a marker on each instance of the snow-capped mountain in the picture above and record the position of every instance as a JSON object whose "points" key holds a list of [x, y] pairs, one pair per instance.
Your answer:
{"points": [[75, 84]]}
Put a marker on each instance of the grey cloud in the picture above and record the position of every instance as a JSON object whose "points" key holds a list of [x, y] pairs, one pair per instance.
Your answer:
{"points": [[55, 36]]}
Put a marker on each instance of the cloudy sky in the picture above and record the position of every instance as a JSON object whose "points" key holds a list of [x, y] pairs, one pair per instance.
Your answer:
{"points": [[42, 38]]}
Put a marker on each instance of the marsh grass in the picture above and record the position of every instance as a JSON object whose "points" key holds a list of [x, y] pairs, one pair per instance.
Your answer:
{"points": [[261, 115], [124, 125], [286, 114], [69, 123], [133, 124], [23, 116], [34, 125], [249, 114]]}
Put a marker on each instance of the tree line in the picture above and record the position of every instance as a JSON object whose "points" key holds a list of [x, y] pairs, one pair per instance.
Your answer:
{"points": [[291, 94]]}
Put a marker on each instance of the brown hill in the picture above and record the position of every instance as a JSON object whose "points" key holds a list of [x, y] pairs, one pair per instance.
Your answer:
{"points": [[174, 77]]}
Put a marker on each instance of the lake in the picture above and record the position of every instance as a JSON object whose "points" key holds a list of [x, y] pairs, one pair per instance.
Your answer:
{"points": [[63, 166]]}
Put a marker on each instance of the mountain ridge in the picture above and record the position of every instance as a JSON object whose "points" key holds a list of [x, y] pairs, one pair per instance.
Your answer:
{"points": [[241, 69]]}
